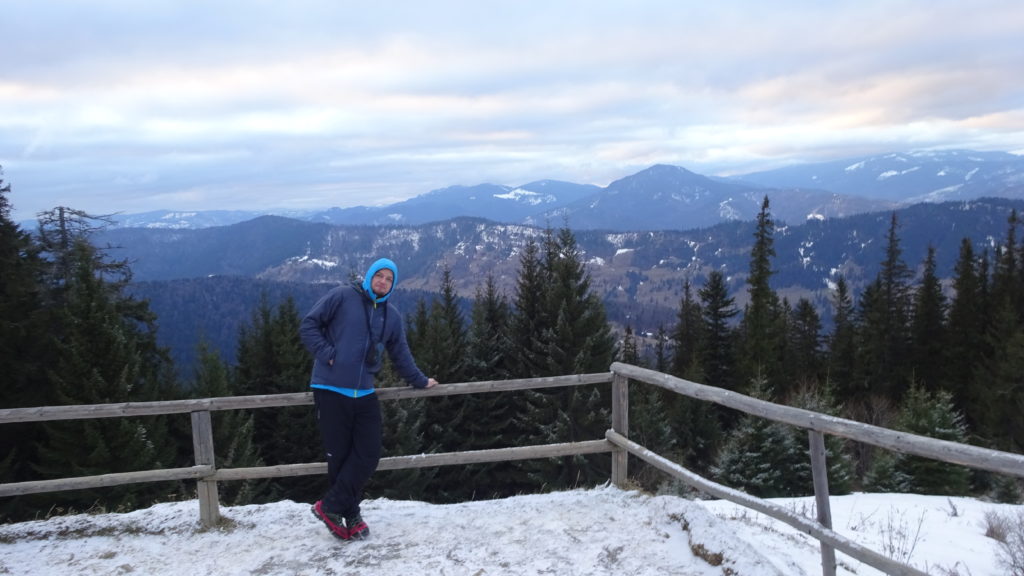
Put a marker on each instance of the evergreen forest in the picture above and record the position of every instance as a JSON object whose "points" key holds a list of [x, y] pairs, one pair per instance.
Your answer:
{"points": [[906, 353]]}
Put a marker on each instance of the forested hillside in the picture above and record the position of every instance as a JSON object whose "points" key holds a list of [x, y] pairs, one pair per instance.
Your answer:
{"points": [[205, 282], [902, 352]]}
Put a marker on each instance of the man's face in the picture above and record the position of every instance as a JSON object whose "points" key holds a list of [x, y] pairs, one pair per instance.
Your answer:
{"points": [[382, 281]]}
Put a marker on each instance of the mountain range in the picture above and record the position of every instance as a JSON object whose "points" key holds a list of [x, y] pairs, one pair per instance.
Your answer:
{"points": [[664, 197], [642, 237]]}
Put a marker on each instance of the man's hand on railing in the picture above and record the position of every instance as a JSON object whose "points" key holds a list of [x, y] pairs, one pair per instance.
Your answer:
{"points": [[431, 383]]}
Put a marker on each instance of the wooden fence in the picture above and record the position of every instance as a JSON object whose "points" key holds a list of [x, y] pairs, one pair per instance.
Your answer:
{"points": [[616, 441]]}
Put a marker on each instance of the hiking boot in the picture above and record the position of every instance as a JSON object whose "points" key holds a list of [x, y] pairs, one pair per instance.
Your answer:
{"points": [[357, 529], [334, 522]]}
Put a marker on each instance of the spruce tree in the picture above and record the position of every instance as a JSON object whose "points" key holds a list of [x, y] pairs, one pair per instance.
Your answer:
{"points": [[272, 360], [966, 333], [762, 457], [232, 429], [417, 332], [760, 337], [528, 317], [662, 356], [932, 414], [489, 337], [23, 350], [928, 346], [492, 417], [447, 348], [575, 339], [103, 350], [648, 424], [871, 399], [839, 463], [21, 303], [404, 426], [842, 344], [686, 337], [701, 425], [717, 343], [695, 423], [885, 339], [805, 356], [1006, 277], [1002, 398]]}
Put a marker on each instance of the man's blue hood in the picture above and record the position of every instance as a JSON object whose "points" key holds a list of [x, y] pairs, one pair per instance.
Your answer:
{"points": [[374, 268]]}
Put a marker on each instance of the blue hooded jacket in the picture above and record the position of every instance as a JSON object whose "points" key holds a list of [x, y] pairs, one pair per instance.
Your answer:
{"points": [[344, 325]]}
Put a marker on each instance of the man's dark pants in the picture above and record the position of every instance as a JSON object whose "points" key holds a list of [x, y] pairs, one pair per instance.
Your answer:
{"points": [[350, 429]]}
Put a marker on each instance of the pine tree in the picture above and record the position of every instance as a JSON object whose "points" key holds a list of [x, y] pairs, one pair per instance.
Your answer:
{"points": [[405, 426], [446, 338], [648, 425], [695, 423], [1006, 278], [1003, 393], [700, 426], [21, 302], [717, 349], [928, 346], [447, 346], [23, 350], [575, 339], [932, 414], [885, 324], [492, 421], [997, 384], [528, 318], [686, 337], [842, 348], [840, 467], [662, 357], [272, 360], [417, 333], [760, 338], [805, 357], [103, 351], [489, 337], [761, 457], [232, 429], [966, 332]]}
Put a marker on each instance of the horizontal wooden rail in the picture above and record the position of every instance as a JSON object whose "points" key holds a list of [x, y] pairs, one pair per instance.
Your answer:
{"points": [[104, 480], [806, 525], [88, 411], [427, 460], [943, 450]]}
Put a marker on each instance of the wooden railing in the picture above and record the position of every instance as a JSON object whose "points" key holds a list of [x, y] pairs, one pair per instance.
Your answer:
{"points": [[616, 441]]}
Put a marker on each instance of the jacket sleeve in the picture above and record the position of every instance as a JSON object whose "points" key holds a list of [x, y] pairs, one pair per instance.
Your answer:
{"points": [[313, 329], [401, 355]]}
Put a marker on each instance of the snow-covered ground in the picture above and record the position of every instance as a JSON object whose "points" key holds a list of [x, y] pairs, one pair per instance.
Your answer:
{"points": [[584, 532]]}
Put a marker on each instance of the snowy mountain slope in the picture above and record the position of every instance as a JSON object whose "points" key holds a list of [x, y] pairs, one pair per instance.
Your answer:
{"points": [[924, 176]]}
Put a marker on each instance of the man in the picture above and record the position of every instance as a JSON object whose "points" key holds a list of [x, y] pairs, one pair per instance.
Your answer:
{"points": [[347, 332]]}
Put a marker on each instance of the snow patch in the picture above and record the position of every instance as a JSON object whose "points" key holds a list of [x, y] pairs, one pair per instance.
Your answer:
{"points": [[526, 197]]}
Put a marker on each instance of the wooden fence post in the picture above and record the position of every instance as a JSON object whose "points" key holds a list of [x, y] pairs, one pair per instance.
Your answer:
{"points": [[620, 424], [819, 469], [202, 442]]}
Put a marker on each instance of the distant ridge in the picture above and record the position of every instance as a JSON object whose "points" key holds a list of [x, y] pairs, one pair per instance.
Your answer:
{"points": [[666, 197]]}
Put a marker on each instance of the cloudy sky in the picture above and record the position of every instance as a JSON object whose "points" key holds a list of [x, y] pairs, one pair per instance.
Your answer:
{"points": [[124, 106]]}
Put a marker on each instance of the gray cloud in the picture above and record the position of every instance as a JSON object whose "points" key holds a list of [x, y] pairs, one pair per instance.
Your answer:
{"points": [[125, 106]]}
